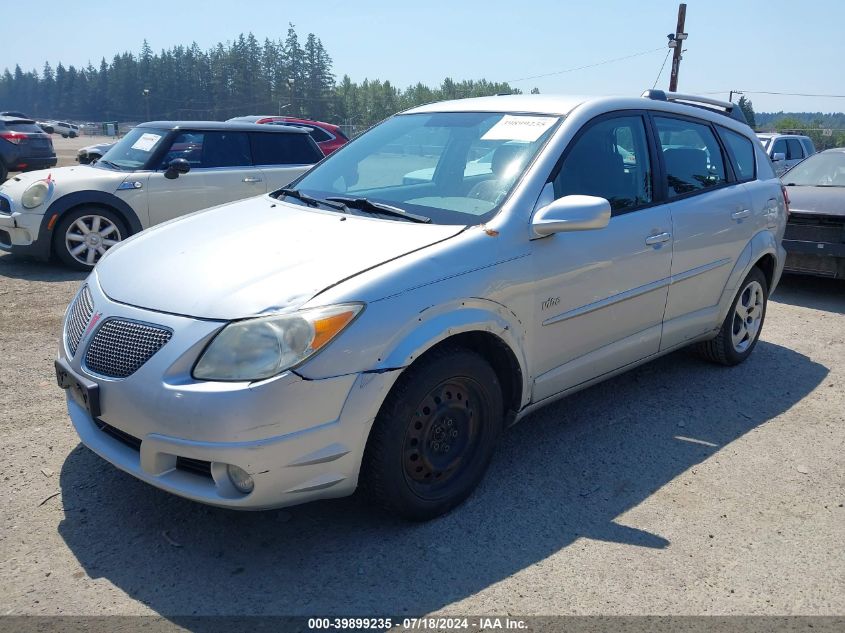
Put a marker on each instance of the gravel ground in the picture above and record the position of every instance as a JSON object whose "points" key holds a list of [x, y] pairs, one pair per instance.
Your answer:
{"points": [[678, 488]]}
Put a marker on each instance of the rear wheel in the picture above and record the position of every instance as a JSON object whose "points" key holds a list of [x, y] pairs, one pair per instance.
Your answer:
{"points": [[434, 435], [742, 326], [83, 236], [4, 173]]}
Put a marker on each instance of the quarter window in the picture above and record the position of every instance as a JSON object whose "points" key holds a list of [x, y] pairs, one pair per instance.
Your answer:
{"points": [[692, 156], [743, 153], [609, 160], [284, 149]]}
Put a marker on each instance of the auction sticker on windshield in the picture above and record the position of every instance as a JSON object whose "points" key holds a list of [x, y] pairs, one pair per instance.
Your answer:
{"points": [[146, 142], [519, 128]]}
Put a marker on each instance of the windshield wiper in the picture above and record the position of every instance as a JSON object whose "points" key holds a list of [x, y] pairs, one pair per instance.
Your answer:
{"points": [[313, 202], [368, 206], [108, 162]]}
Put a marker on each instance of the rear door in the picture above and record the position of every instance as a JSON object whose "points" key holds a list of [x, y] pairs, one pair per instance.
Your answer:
{"points": [[281, 156], [712, 222], [221, 171]]}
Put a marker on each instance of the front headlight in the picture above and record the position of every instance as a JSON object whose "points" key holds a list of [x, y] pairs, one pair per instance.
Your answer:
{"points": [[255, 349], [35, 194]]}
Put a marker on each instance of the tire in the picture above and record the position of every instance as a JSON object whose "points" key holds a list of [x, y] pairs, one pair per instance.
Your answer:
{"points": [[434, 435], [738, 336], [109, 227], [4, 173]]}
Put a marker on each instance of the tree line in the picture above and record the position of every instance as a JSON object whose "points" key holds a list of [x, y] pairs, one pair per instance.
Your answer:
{"points": [[284, 76]]}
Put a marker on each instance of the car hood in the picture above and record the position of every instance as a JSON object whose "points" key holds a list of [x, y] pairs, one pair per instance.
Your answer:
{"points": [[251, 257], [817, 200], [65, 180]]}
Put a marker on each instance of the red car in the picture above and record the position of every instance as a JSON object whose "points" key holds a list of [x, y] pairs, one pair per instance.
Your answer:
{"points": [[327, 136]]}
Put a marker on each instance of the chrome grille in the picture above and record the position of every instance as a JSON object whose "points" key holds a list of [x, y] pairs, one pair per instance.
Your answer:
{"points": [[77, 319], [120, 347]]}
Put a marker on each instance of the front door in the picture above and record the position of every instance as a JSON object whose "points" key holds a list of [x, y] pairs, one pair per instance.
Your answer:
{"points": [[601, 294], [221, 171]]}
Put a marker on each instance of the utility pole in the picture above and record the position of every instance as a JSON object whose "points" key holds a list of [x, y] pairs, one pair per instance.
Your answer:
{"points": [[676, 41]]}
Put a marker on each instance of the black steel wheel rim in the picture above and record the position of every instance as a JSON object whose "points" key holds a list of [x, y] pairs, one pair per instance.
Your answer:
{"points": [[443, 436]]}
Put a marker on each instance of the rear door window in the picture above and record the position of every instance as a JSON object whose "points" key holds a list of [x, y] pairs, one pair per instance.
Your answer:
{"points": [[210, 149], [742, 151], [692, 156], [284, 149]]}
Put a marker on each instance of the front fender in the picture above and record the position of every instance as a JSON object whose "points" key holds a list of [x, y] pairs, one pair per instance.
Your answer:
{"points": [[418, 334]]}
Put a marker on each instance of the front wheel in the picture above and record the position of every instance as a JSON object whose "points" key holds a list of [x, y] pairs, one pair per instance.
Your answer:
{"points": [[741, 328], [434, 435], [82, 237]]}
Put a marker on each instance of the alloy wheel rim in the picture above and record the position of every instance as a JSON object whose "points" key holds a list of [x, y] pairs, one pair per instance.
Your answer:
{"points": [[89, 237], [443, 436], [748, 317]]}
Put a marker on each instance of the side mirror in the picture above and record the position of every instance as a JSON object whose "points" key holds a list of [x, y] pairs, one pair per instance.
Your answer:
{"points": [[571, 213], [778, 156], [176, 167]]}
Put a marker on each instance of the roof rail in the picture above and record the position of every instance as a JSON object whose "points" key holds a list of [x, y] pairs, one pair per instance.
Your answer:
{"points": [[714, 105]]}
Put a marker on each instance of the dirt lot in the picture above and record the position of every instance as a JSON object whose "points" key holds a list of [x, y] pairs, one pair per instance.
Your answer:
{"points": [[679, 488]]}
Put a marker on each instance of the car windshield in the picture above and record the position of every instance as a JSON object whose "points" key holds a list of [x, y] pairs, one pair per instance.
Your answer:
{"points": [[452, 167], [134, 150], [820, 170]]}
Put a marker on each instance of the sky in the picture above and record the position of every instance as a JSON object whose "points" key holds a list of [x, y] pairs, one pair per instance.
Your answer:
{"points": [[755, 46]]}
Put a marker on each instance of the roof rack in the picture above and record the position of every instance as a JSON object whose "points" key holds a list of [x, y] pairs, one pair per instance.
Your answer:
{"points": [[714, 105]]}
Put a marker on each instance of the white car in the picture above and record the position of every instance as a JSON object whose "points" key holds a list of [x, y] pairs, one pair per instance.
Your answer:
{"points": [[786, 150], [157, 172], [64, 128]]}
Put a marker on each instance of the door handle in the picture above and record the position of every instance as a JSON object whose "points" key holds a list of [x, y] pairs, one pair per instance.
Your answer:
{"points": [[251, 179], [739, 215], [658, 239]]}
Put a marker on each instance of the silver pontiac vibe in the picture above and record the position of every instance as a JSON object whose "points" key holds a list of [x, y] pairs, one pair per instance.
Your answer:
{"points": [[382, 319]]}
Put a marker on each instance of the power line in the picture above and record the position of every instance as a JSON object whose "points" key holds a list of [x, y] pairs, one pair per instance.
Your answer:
{"points": [[772, 92], [601, 63], [662, 66]]}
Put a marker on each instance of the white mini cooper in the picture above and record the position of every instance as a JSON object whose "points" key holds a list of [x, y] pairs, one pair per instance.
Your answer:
{"points": [[157, 172]]}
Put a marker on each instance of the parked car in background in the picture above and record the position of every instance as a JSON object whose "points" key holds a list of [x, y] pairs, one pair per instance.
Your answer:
{"points": [[91, 153], [815, 231], [329, 137], [46, 126], [23, 146], [67, 130], [356, 329], [157, 172], [787, 150]]}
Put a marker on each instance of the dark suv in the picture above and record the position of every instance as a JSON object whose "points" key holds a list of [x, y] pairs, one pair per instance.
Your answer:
{"points": [[23, 146]]}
